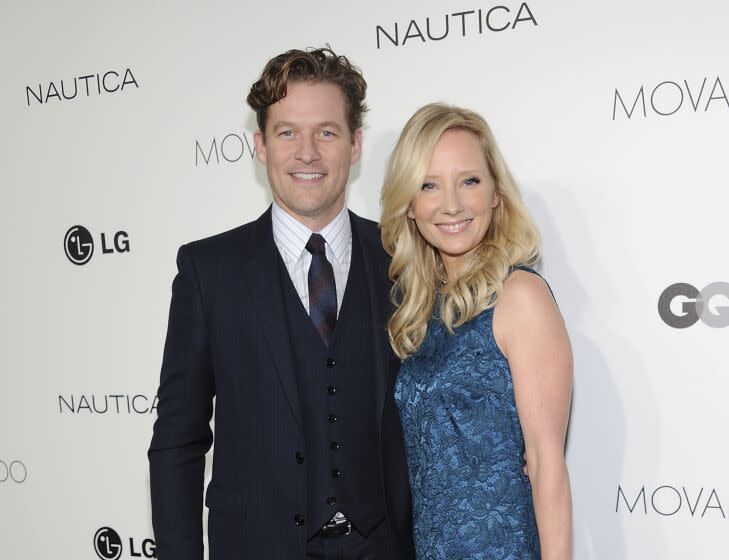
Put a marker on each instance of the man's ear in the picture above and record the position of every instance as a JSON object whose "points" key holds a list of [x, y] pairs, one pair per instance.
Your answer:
{"points": [[356, 146], [259, 142]]}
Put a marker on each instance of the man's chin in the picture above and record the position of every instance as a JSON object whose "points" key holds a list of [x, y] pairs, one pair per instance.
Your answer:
{"points": [[314, 211]]}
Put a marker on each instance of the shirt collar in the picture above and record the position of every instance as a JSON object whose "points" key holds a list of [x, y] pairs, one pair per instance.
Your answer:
{"points": [[293, 236]]}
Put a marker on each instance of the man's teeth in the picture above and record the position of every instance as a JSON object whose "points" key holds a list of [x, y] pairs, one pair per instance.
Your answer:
{"points": [[308, 176], [453, 228]]}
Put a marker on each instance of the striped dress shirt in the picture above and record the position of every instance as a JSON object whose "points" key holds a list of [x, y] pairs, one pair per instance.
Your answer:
{"points": [[291, 237]]}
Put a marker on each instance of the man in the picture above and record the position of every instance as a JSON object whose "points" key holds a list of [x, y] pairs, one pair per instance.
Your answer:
{"points": [[283, 321]]}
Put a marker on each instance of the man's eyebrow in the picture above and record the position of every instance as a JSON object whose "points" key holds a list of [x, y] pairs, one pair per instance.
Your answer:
{"points": [[326, 124], [283, 124], [330, 124]]}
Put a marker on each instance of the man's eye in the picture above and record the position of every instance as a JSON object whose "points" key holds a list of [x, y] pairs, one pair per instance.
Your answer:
{"points": [[286, 133], [327, 133]]}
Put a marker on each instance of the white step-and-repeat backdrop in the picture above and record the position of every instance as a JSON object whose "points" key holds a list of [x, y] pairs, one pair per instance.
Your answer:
{"points": [[126, 134]]}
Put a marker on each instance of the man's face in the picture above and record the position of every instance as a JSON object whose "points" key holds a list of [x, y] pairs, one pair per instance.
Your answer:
{"points": [[308, 150]]}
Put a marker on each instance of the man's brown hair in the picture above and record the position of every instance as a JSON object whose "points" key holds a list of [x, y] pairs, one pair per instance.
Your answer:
{"points": [[311, 65]]}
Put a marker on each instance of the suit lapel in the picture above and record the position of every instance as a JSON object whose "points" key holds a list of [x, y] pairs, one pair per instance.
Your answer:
{"points": [[377, 286], [266, 289]]}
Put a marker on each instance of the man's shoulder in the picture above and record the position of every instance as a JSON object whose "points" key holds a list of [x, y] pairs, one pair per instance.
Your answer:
{"points": [[364, 222], [366, 228], [368, 233], [237, 241]]}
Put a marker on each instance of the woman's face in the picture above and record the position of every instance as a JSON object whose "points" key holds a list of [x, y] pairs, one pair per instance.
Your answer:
{"points": [[454, 207]]}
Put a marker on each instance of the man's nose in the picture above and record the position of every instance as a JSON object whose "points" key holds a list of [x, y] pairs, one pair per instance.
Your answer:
{"points": [[308, 151]]}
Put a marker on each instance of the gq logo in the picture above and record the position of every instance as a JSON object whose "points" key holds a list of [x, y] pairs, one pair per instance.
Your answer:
{"points": [[107, 544], [696, 305], [79, 244]]}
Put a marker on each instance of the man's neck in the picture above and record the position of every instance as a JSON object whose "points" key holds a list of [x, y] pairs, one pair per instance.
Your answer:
{"points": [[314, 223]]}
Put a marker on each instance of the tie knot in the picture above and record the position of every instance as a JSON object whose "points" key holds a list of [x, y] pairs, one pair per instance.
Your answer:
{"points": [[316, 244]]}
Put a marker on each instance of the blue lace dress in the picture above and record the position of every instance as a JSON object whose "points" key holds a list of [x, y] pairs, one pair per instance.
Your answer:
{"points": [[465, 448]]}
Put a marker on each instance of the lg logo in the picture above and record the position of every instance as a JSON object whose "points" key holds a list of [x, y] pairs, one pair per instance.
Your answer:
{"points": [[15, 472], [696, 305], [108, 546], [79, 244]]}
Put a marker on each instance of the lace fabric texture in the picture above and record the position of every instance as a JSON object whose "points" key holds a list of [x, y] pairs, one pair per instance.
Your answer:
{"points": [[464, 444]]}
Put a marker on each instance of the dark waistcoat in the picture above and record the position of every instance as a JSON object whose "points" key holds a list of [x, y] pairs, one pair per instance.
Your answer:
{"points": [[336, 394]]}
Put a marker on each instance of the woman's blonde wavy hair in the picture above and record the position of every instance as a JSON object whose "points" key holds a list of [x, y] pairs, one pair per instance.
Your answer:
{"points": [[417, 269]]}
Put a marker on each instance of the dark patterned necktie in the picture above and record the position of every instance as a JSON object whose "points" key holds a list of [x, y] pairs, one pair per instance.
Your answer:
{"points": [[322, 289]]}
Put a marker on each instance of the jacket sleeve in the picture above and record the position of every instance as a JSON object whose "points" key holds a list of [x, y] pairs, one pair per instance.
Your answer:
{"points": [[182, 433]]}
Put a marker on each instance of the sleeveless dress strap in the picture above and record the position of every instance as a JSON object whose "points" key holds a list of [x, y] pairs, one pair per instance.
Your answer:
{"points": [[525, 268]]}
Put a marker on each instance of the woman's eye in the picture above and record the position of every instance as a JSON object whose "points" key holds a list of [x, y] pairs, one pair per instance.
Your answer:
{"points": [[427, 186], [472, 181]]}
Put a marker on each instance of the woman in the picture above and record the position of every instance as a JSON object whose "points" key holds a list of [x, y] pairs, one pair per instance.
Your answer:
{"points": [[486, 377]]}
